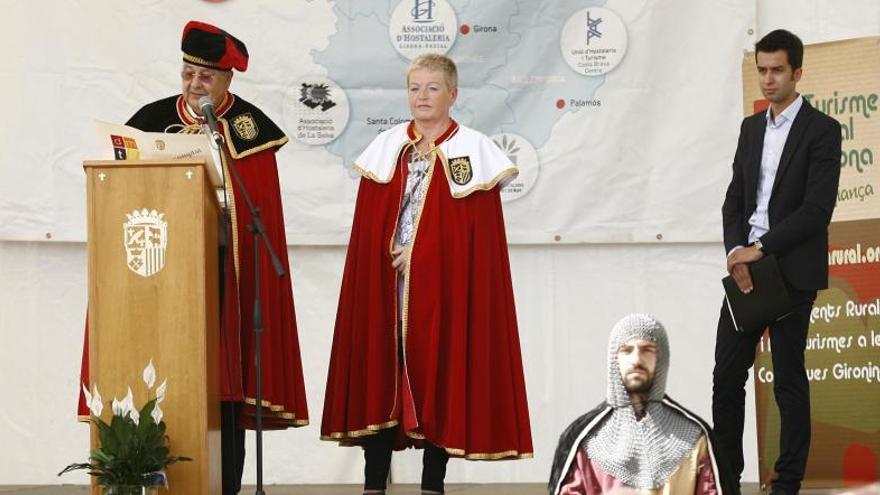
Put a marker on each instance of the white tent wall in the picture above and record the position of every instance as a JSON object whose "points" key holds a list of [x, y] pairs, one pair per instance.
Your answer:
{"points": [[567, 296]]}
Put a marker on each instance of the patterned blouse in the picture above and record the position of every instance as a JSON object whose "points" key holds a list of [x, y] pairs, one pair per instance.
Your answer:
{"points": [[413, 196]]}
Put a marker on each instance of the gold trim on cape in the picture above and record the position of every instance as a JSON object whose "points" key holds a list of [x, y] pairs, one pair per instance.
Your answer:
{"points": [[185, 114], [404, 319], [233, 220], [485, 186], [435, 147], [373, 177], [277, 412], [342, 436]]}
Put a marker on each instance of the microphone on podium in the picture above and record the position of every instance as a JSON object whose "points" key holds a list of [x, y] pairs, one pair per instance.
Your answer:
{"points": [[207, 107]]}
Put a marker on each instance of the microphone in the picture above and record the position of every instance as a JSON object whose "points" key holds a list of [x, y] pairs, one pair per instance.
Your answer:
{"points": [[207, 107]]}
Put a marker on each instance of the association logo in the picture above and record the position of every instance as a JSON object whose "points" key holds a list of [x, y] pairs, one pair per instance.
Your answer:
{"points": [[316, 110], [145, 239], [423, 11], [593, 27], [316, 96], [521, 152], [124, 148], [422, 26], [593, 41]]}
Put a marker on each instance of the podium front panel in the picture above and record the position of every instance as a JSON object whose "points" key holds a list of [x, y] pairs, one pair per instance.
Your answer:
{"points": [[153, 295]]}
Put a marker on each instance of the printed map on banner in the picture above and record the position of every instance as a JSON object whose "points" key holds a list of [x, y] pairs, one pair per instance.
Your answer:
{"points": [[589, 98], [509, 90], [618, 138]]}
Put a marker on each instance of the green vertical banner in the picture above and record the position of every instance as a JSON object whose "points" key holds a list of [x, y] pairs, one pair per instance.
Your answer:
{"points": [[843, 342]]}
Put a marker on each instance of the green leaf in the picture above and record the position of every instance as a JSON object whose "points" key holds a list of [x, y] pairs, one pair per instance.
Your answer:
{"points": [[102, 457], [76, 466]]}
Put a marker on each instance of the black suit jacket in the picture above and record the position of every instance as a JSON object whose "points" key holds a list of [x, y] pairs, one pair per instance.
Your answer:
{"points": [[802, 200]]}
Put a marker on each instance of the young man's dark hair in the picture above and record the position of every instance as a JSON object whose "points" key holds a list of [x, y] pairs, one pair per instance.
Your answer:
{"points": [[781, 39]]}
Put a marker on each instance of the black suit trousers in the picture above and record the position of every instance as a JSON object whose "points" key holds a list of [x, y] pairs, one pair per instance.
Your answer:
{"points": [[734, 355]]}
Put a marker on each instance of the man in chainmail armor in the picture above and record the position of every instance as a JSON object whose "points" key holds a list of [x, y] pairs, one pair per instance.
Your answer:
{"points": [[638, 439]]}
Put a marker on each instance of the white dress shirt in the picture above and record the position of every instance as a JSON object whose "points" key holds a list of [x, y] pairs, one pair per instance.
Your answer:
{"points": [[775, 135]]}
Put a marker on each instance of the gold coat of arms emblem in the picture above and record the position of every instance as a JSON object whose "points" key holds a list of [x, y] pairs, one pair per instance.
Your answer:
{"points": [[461, 171], [245, 126]]}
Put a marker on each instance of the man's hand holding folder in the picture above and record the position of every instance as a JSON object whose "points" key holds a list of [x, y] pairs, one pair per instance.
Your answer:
{"points": [[738, 266], [755, 292]]}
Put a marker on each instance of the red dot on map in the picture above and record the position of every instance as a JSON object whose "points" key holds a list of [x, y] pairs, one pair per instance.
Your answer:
{"points": [[464, 29], [560, 104]]}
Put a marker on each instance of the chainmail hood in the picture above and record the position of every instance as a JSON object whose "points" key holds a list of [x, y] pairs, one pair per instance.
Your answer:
{"points": [[642, 453]]}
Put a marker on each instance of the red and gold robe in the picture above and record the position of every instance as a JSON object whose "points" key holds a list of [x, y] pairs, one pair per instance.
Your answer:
{"points": [[459, 384], [252, 139]]}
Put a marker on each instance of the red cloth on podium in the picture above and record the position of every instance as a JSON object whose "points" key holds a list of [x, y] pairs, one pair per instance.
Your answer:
{"points": [[460, 385]]}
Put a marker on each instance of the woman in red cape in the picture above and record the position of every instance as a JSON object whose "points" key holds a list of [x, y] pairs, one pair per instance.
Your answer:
{"points": [[426, 348]]}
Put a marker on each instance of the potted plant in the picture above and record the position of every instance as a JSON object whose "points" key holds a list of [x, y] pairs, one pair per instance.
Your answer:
{"points": [[133, 449]]}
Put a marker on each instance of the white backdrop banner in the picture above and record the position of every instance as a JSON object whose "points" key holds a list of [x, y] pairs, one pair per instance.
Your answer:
{"points": [[621, 115]]}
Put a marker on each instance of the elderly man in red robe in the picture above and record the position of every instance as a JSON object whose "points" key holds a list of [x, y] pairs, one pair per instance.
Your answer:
{"points": [[426, 348], [252, 139]]}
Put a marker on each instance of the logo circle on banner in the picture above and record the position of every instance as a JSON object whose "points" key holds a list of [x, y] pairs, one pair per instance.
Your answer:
{"points": [[593, 41], [422, 26], [525, 157], [315, 110]]}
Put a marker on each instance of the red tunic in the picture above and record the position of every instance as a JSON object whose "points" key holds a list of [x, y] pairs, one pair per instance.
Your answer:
{"points": [[283, 389], [460, 385]]}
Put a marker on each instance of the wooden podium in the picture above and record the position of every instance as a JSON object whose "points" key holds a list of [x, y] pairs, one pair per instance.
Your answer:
{"points": [[153, 294]]}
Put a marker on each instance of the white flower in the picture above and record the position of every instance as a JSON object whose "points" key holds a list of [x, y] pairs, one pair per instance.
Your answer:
{"points": [[150, 375], [97, 404], [160, 392], [134, 415], [157, 414], [128, 403], [116, 406]]}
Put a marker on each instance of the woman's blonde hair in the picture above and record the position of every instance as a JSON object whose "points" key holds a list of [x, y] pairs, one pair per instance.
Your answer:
{"points": [[436, 62]]}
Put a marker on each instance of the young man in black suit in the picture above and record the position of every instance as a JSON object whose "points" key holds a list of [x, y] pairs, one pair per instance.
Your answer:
{"points": [[779, 201]]}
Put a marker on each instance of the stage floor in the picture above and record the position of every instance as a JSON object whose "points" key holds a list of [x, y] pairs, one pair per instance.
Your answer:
{"points": [[457, 489]]}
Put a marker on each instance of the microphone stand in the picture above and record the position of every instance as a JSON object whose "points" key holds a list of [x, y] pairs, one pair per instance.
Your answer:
{"points": [[258, 230]]}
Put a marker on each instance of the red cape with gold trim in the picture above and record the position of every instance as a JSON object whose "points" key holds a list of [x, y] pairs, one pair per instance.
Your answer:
{"points": [[253, 139], [460, 384]]}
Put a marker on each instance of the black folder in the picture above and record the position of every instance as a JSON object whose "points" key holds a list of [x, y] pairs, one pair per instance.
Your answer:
{"points": [[769, 300]]}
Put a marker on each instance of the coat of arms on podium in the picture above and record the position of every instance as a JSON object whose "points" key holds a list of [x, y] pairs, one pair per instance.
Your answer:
{"points": [[146, 238]]}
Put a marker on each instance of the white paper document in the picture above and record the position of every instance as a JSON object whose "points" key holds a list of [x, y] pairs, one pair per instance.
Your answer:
{"points": [[122, 142]]}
